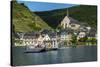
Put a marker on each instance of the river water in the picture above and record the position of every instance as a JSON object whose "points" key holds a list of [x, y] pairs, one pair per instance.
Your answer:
{"points": [[66, 55]]}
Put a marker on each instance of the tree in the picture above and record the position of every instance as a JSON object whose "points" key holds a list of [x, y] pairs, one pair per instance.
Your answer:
{"points": [[74, 40]]}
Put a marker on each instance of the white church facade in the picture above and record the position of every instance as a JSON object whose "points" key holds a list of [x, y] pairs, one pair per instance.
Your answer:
{"points": [[66, 23]]}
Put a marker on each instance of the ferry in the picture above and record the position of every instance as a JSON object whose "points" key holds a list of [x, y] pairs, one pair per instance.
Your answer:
{"points": [[32, 49]]}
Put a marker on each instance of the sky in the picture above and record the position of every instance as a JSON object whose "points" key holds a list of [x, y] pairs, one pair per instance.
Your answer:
{"points": [[44, 6]]}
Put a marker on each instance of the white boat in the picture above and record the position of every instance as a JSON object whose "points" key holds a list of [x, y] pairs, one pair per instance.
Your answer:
{"points": [[32, 49]]}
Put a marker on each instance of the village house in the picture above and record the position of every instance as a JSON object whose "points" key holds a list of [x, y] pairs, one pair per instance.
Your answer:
{"points": [[85, 29], [50, 38], [81, 35], [30, 39], [19, 39], [65, 35], [88, 28], [54, 39], [47, 41], [92, 34], [74, 24], [40, 40], [19, 35]]}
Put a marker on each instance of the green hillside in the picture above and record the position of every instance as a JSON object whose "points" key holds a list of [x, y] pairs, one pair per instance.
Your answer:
{"points": [[84, 13], [25, 21]]}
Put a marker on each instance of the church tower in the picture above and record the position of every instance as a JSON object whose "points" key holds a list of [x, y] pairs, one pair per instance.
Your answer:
{"points": [[66, 21]]}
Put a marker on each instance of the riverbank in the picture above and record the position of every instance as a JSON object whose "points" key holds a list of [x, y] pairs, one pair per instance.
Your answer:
{"points": [[66, 46]]}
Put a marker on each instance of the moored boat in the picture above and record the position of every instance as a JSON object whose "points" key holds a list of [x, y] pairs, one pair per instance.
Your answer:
{"points": [[34, 50], [39, 48]]}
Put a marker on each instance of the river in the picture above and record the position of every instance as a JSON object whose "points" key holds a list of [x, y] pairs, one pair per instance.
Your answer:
{"points": [[68, 55]]}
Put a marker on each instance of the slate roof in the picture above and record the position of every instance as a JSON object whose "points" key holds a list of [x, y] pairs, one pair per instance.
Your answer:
{"points": [[19, 34], [66, 31], [45, 31], [31, 35], [52, 35], [72, 20]]}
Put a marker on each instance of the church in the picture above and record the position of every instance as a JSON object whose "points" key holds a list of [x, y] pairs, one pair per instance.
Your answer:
{"points": [[69, 22]]}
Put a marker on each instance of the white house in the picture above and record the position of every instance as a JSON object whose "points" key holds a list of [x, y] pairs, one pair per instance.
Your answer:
{"points": [[65, 35], [46, 41], [40, 39], [81, 35], [46, 37]]}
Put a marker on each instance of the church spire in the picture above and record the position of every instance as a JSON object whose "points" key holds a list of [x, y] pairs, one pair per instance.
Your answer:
{"points": [[67, 12]]}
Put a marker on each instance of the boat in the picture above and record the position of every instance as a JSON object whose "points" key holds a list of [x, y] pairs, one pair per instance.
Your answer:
{"points": [[38, 50], [48, 49], [32, 49]]}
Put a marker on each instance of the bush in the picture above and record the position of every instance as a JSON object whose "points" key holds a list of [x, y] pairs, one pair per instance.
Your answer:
{"points": [[83, 39]]}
